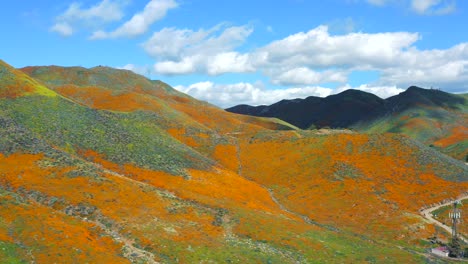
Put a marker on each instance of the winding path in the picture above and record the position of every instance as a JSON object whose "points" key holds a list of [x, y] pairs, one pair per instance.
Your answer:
{"points": [[427, 213]]}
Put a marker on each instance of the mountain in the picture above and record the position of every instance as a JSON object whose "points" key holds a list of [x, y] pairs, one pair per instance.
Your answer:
{"points": [[338, 111], [431, 116], [105, 166]]}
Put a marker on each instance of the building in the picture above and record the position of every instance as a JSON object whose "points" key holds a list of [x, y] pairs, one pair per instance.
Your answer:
{"points": [[440, 251]]}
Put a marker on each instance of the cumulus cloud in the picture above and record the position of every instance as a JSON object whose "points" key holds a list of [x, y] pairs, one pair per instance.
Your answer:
{"points": [[293, 59], [103, 12], [185, 66], [212, 51], [310, 58], [317, 48], [306, 76], [316, 56], [447, 68], [62, 28], [140, 23], [286, 61]]}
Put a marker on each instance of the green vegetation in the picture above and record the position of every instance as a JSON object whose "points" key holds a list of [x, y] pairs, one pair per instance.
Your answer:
{"points": [[133, 138], [9, 253]]}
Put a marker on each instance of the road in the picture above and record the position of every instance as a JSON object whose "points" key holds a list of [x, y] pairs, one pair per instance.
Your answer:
{"points": [[427, 213]]}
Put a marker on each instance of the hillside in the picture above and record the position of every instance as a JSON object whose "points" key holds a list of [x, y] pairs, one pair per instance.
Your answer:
{"points": [[432, 117], [103, 165]]}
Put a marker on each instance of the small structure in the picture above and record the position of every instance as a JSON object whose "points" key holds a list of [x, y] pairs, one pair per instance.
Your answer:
{"points": [[455, 246], [455, 215], [440, 251]]}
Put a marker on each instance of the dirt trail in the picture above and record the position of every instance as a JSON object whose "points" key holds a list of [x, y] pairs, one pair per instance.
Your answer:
{"points": [[131, 252], [305, 218], [272, 195], [427, 213]]}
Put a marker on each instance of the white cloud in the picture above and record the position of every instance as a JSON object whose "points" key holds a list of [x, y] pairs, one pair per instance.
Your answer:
{"points": [[185, 66], [447, 68], [213, 51], [183, 51], [306, 76], [229, 62], [171, 43], [62, 28], [317, 57], [103, 12], [140, 23], [433, 7], [317, 48]]}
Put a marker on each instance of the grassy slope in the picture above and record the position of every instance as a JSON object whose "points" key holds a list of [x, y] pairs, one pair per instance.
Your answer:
{"points": [[106, 88], [445, 126], [196, 124], [444, 129], [366, 185], [214, 213], [386, 168], [16, 83], [122, 138]]}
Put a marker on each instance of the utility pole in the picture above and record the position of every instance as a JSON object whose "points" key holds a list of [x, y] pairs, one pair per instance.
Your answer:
{"points": [[455, 216], [455, 245]]}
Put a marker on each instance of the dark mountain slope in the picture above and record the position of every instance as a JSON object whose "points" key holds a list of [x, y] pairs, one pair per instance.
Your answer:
{"points": [[340, 110]]}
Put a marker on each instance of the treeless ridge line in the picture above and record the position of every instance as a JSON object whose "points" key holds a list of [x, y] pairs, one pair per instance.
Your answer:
{"points": [[427, 213]]}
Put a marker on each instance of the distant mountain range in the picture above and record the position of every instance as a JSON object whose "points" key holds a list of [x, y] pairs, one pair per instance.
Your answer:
{"points": [[431, 116]]}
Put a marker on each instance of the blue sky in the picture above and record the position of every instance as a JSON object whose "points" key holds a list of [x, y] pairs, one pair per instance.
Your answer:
{"points": [[254, 52]]}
